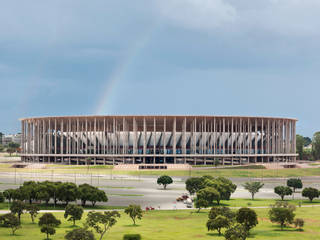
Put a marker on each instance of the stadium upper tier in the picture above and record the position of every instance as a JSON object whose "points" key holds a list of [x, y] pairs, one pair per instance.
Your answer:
{"points": [[158, 139]]}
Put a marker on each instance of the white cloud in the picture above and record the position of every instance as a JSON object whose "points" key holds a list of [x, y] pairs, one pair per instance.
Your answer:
{"points": [[197, 14]]}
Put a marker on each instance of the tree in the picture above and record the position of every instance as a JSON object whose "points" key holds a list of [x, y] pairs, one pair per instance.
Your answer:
{"points": [[29, 190], [224, 186], [298, 223], [194, 184], [13, 147], [218, 223], [8, 194], [316, 145], [98, 195], [282, 191], [11, 221], [85, 191], [79, 234], [310, 193], [209, 194], [102, 222], [1, 197], [134, 212], [17, 207], [281, 215], [74, 211], [223, 211], [236, 232], [300, 143], [201, 203], [295, 183], [164, 180], [253, 187], [67, 192], [33, 210], [132, 237], [48, 223], [247, 217], [307, 141]]}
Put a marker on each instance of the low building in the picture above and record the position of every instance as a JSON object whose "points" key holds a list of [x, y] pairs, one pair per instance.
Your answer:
{"points": [[16, 138]]}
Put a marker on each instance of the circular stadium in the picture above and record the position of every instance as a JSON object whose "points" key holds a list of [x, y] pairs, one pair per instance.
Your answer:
{"points": [[158, 140]]}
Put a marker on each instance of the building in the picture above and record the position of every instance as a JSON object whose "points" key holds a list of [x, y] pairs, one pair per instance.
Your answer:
{"points": [[15, 138], [232, 140]]}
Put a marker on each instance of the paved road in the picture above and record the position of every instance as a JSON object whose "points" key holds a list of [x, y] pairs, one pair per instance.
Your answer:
{"points": [[124, 190]]}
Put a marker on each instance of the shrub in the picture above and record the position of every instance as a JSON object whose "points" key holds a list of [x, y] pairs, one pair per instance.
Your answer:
{"points": [[132, 237], [298, 223]]}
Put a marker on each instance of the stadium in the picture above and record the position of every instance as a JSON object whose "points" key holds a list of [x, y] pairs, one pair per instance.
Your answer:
{"points": [[156, 140]]}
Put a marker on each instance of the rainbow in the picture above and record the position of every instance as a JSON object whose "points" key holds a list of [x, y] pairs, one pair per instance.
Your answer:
{"points": [[112, 84]]}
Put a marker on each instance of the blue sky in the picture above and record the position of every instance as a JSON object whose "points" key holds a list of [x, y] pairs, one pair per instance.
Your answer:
{"points": [[214, 57]]}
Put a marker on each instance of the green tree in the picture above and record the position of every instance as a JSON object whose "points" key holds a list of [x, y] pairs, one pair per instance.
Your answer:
{"points": [[300, 143], [253, 187], [224, 186], [85, 191], [8, 194], [33, 210], [67, 192], [17, 207], [1, 197], [102, 222], [79, 234], [194, 184], [209, 194], [247, 217], [295, 183], [13, 147], [281, 215], [310, 193], [132, 237], [218, 223], [307, 141], [316, 146], [236, 232], [298, 223], [9, 220], [164, 180], [48, 223], [98, 195], [282, 191], [223, 211], [29, 190], [201, 203], [134, 212], [74, 211]]}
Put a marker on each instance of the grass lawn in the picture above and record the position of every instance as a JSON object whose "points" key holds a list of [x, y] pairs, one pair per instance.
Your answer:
{"points": [[226, 172], [241, 202], [174, 225]]}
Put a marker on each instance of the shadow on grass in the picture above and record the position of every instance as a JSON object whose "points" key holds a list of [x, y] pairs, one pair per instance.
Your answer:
{"points": [[132, 226], [214, 234]]}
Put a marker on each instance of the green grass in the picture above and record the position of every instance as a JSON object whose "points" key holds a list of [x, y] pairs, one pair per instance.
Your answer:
{"points": [[239, 172], [241, 202], [173, 225]]}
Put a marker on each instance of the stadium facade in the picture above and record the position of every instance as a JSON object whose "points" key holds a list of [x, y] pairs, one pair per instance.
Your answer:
{"points": [[232, 140]]}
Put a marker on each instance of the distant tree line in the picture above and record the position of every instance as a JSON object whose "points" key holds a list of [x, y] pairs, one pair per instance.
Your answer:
{"points": [[48, 191], [308, 153]]}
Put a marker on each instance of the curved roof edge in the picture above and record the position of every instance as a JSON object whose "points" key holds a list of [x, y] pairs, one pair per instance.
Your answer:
{"points": [[138, 116]]}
